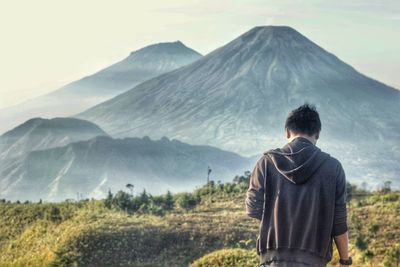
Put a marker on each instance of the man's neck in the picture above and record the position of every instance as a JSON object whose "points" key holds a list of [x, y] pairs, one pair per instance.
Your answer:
{"points": [[312, 140]]}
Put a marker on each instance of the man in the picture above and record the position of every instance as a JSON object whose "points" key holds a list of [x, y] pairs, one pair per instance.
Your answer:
{"points": [[298, 192]]}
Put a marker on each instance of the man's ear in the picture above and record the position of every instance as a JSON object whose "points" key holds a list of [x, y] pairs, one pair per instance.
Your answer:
{"points": [[317, 136], [287, 133]]}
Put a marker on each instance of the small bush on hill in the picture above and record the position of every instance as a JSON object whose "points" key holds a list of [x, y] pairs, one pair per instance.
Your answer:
{"points": [[187, 200]]}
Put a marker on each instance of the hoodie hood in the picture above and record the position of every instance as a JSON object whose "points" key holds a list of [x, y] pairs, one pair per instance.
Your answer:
{"points": [[297, 160]]}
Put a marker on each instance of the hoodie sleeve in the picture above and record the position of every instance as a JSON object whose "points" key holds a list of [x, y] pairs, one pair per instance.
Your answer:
{"points": [[255, 193], [340, 216]]}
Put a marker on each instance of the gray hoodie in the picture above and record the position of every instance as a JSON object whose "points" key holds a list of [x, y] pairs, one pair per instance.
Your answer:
{"points": [[299, 194]]}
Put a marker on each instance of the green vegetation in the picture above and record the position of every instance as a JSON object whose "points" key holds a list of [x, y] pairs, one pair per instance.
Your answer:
{"points": [[228, 257], [143, 203], [207, 227]]}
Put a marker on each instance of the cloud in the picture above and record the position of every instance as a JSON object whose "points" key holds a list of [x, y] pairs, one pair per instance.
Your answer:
{"points": [[387, 10]]}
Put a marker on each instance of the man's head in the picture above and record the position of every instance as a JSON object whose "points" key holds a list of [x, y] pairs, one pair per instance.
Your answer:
{"points": [[303, 121]]}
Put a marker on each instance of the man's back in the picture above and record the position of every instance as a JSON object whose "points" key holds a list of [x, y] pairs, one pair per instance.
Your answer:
{"points": [[305, 204]]}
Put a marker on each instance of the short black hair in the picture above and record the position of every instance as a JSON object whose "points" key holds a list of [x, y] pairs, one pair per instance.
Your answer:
{"points": [[304, 119]]}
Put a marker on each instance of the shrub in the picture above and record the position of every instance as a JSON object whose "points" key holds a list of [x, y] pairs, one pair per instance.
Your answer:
{"points": [[367, 256], [187, 201], [54, 215], [361, 243], [392, 197], [392, 257], [374, 228]]}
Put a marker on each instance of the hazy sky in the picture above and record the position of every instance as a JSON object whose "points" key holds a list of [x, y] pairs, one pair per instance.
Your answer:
{"points": [[46, 43]]}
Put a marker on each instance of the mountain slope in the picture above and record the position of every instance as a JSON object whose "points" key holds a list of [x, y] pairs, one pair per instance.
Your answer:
{"points": [[93, 167], [139, 66], [238, 96], [38, 133], [77, 96]]}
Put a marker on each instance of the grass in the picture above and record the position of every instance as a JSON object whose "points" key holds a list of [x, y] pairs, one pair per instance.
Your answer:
{"points": [[86, 233]]}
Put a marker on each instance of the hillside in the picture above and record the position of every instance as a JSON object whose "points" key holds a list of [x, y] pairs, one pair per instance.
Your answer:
{"points": [[114, 233], [40, 133], [92, 167], [238, 96]]}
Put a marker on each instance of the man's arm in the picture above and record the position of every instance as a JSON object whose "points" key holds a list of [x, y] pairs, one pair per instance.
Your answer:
{"points": [[255, 193], [340, 230], [342, 244]]}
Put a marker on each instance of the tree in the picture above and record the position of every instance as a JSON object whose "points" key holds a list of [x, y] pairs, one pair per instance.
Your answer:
{"points": [[122, 200], [144, 198], [169, 201], [130, 187], [364, 186], [349, 191], [242, 179], [109, 200], [386, 187]]}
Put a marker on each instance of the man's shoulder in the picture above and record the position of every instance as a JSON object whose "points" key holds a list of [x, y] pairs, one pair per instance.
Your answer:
{"points": [[266, 153], [333, 164], [262, 158], [333, 160]]}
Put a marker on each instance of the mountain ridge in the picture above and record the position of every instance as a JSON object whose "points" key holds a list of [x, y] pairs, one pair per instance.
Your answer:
{"points": [[39, 133]]}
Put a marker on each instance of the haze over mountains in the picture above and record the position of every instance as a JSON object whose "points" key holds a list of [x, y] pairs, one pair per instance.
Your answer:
{"points": [[238, 96], [53, 170], [79, 95], [234, 100]]}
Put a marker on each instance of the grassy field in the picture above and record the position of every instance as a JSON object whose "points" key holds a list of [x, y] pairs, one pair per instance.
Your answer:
{"points": [[204, 233]]}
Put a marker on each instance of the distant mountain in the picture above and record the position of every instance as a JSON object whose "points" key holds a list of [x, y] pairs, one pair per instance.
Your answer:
{"points": [[77, 96], [92, 167], [38, 133], [238, 96]]}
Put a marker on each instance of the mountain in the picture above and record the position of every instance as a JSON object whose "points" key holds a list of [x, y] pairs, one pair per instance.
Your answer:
{"points": [[39, 133], [77, 96], [92, 167], [238, 96], [139, 66]]}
